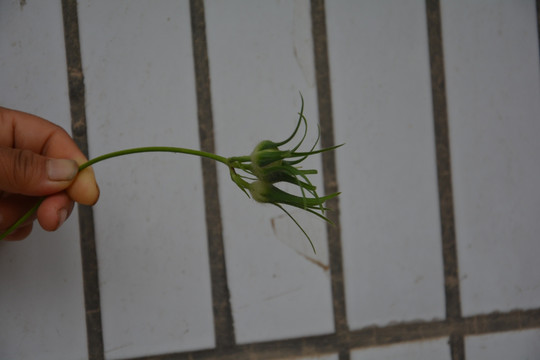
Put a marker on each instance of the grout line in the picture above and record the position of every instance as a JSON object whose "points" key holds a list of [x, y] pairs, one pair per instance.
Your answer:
{"points": [[368, 337], [223, 319], [94, 329], [496, 322], [444, 174], [457, 346], [538, 20], [324, 100]]}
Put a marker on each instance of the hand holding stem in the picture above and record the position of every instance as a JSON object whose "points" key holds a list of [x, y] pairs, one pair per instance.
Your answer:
{"points": [[257, 174]]}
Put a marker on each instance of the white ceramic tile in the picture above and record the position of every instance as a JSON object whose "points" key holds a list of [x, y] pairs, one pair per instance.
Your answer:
{"points": [[150, 223], [389, 208], [434, 350], [493, 91], [41, 301], [258, 63], [511, 345]]}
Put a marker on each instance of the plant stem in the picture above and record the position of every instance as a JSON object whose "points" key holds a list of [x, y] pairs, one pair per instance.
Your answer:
{"points": [[22, 219], [93, 161], [154, 149]]}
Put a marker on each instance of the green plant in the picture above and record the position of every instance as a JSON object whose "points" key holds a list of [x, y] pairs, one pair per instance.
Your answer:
{"points": [[257, 174]]}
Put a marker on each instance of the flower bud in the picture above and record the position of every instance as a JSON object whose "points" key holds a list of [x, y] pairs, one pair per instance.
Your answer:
{"points": [[261, 191], [267, 166], [264, 192], [265, 156]]}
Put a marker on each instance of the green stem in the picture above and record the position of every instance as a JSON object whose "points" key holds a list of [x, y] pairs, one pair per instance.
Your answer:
{"points": [[93, 161], [22, 219], [154, 149]]}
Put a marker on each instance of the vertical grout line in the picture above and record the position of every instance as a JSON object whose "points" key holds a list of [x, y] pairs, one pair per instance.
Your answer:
{"points": [[538, 21], [324, 100], [223, 320], [444, 175], [94, 330]]}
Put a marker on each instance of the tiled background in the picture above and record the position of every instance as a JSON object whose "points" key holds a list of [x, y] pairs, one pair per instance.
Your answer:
{"points": [[434, 257]]}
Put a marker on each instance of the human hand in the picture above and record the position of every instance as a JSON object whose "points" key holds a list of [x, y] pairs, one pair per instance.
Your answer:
{"points": [[39, 158]]}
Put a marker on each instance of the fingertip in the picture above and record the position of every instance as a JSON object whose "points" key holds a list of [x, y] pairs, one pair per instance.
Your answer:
{"points": [[54, 211], [84, 189]]}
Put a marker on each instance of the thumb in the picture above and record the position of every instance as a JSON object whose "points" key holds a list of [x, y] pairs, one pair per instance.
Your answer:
{"points": [[27, 173]]}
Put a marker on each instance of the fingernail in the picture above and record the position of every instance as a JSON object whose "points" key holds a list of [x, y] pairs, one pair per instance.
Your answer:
{"points": [[62, 216], [61, 169]]}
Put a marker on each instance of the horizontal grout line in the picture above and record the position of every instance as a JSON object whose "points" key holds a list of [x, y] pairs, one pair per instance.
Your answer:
{"points": [[372, 336], [469, 326]]}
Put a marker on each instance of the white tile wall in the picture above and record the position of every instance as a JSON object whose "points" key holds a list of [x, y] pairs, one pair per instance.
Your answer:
{"points": [[491, 51], [41, 297], [150, 224], [258, 64], [434, 350], [382, 111], [511, 345]]}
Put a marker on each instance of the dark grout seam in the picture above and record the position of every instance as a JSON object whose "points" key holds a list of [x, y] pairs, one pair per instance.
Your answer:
{"points": [[444, 174], [368, 337], [223, 319], [324, 101], [94, 329], [538, 21]]}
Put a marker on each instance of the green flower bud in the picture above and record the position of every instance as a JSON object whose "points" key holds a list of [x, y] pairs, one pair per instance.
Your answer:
{"points": [[268, 165], [261, 191], [266, 155], [265, 192]]}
